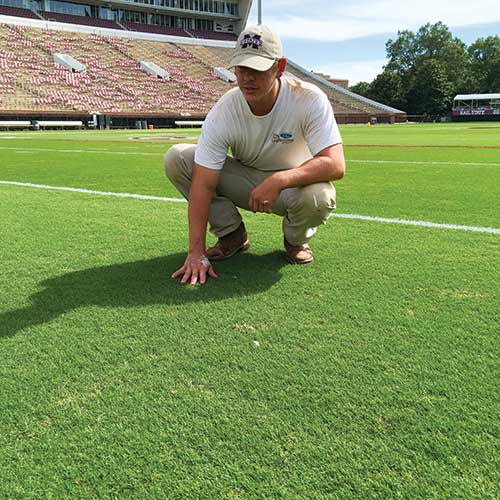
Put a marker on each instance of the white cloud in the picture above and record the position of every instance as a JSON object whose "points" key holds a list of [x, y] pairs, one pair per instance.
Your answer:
{"points": [[358, 71], [325, 30], [328, 21]]}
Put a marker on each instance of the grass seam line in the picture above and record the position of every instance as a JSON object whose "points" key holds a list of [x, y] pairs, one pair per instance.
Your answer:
{"points": [[407, 222]]}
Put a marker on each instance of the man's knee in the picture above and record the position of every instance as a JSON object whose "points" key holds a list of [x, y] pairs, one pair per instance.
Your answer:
{"points": [[177, 159], [171, 161], [316, 200]]}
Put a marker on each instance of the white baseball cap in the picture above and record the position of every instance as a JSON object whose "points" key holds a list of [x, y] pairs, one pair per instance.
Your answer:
{"points": [[258, 47]]}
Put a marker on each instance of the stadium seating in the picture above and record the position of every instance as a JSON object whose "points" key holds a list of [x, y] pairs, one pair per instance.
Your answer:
{"points": [[190, 76], [114, 83], [340, 102], [18, 60], [210, 57]]}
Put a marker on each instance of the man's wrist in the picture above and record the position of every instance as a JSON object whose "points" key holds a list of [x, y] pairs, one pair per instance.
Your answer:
{"points": [[280, 179], [197, 252], [199, 257]]}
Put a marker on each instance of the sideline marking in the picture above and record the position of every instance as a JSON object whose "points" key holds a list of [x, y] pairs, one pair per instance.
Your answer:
{"points": [[421, 223]]}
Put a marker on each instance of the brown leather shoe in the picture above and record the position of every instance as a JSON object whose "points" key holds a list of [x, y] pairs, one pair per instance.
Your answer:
{"points": [[300, 254], [228, 245]]}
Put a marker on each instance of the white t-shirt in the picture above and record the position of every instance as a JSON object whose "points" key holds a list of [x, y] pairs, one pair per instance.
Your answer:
{"points": [[300, 125]]}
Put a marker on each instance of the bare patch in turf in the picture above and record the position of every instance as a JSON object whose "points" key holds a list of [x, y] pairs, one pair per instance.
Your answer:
{"points": [[463, 294]]}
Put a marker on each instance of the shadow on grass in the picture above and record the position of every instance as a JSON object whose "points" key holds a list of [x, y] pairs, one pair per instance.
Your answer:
{"points": [[140, 283]]}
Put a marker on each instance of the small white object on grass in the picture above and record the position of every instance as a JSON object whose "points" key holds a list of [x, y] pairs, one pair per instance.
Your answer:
{"points": [[256, 343]]}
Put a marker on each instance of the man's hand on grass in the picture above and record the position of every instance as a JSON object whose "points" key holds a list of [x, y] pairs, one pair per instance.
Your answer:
{"points": [[196, 268]]}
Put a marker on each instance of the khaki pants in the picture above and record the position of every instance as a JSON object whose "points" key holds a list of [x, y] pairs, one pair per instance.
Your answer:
{"points": [[303, 208]]}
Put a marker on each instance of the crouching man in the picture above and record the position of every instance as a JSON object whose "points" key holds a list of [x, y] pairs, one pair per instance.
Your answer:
{"points": [[286, 149]]}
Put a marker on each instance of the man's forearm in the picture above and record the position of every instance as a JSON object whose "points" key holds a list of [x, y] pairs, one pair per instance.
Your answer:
{"points": [[196, 267], [199, 206], [326, 166], [200, 197], [319, 169]]}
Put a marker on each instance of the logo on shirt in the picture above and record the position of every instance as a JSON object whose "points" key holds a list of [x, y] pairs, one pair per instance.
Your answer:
{"points": [[251, 41], [284, 137]]}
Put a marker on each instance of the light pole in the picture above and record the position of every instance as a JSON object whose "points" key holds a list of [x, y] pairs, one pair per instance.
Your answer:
{"points": [[259, 12]]}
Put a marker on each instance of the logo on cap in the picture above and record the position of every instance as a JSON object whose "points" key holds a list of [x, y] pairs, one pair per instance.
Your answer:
{"points": [[251, 41]]}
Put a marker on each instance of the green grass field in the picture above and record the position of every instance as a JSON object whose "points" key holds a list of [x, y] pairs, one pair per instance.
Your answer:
{"points": [[376, 374]]}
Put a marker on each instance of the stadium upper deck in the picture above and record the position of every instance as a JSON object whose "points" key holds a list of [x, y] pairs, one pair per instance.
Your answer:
{"points": [[222, 19]]}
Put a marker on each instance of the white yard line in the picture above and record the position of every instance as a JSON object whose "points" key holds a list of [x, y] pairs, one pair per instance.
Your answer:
{"points": [[421, 223], [90, 191]]}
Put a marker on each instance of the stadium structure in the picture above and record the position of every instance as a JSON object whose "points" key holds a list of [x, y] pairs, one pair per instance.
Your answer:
{"points": [[478, 107], [132, 63]]}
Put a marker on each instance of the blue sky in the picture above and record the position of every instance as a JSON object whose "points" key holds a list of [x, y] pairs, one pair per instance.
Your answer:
{"points": [[347, 39]]}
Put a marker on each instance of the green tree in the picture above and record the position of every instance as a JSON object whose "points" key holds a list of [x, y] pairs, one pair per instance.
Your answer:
{"points": [[424, 70], [432, 91], [361, 88], [388, 88], [431, 42], [484, 57], [401, 52]]}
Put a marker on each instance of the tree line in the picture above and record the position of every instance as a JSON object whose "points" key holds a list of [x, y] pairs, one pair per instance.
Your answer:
{"points": [[425, 70]]}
